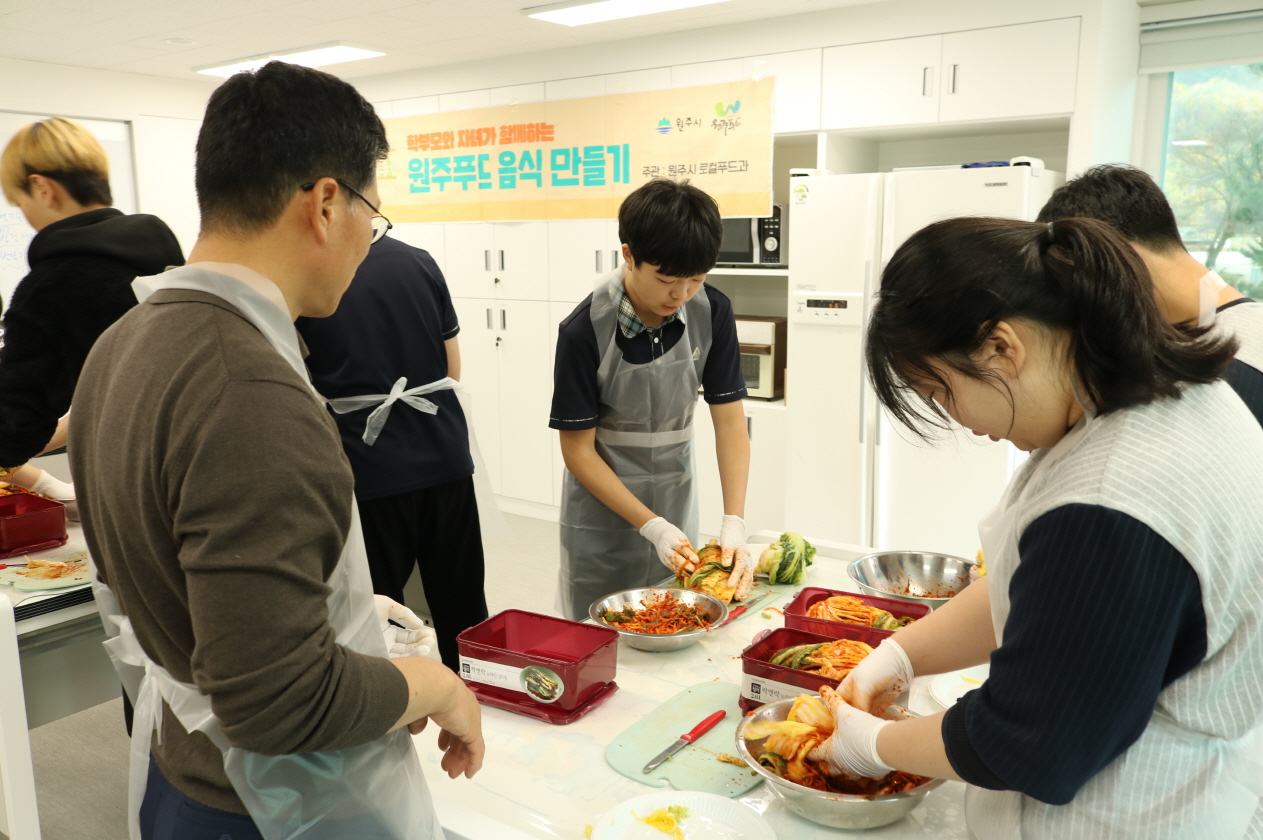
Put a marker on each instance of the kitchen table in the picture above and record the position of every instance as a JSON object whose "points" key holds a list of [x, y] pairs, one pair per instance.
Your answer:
{"points": [[545, 781]]}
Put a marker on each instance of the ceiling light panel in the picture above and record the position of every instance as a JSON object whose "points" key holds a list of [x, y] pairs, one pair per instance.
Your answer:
{"points": [[318, 56], [580, 12]]}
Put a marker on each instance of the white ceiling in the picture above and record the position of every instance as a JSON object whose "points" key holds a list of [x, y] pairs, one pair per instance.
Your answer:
{"points": [[130, 35]]}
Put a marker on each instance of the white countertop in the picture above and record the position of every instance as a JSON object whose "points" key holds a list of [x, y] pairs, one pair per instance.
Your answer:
{"points": [[548, 781]]}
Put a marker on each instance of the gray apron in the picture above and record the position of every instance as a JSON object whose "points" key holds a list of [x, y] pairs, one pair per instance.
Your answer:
{"points": [[645, 433]]}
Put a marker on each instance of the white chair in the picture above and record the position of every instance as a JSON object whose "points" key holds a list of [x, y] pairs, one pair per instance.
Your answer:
{"points": [[17, 774]]}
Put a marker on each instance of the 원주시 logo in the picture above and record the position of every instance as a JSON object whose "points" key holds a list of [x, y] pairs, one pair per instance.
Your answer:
{"points": [[664, 126]]}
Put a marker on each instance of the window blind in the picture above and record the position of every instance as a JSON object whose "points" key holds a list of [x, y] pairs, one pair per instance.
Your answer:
{"points": [[1200, 33]]}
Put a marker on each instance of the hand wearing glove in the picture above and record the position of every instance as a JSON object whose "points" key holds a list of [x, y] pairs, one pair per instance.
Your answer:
{"points": [[414, 638], [851, 750], [880, 677], [732, 544], [47, 485], [674, 549]]}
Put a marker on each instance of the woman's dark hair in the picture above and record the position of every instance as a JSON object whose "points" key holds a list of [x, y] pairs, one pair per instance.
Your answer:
{"points": [[947, 287], [673, 225], [1123, 197], [268, 132]]}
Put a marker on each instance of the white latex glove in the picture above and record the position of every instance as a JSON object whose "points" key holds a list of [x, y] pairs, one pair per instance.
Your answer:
{"points": [[852, 748], [414, 638], [53, 488], [674, 549], [735, 555], [880, 677]]}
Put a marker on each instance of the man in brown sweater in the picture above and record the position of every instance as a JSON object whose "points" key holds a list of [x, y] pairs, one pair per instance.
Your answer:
{"points": [[215, 494]]}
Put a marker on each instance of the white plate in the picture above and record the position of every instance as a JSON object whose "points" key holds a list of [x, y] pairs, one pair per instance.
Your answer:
{"points": [[711, 817], [946, 689]]}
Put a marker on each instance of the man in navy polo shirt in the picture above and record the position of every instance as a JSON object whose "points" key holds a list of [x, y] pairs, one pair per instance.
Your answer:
{"points": [[413, 476], [629, 362]]}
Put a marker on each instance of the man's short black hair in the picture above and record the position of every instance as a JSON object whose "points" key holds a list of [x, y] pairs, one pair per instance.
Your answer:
{"points": [[268, 132], [1123, 197], [673, 225]]}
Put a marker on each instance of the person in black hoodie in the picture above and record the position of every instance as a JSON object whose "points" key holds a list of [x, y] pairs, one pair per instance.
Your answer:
{"points": [[82, 261]]}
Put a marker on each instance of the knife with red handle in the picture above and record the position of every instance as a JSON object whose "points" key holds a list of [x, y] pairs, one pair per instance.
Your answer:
{"points": [[686, 739]]}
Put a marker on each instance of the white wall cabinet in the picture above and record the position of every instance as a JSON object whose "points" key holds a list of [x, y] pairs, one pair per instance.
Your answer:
{"points": [[1004, 72], [765, 493], [497, 261], [579, 254], [1010, 71], [881, 83], [507, 368]]}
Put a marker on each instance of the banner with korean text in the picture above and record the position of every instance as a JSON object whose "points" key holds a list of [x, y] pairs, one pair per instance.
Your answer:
{"points": [[578, 158]]}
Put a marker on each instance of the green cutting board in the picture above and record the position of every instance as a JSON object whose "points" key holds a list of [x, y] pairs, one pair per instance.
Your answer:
{"points": [[695, 767]]}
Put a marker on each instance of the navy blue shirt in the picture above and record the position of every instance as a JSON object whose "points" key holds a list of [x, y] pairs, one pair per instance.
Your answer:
{"points": [[576, 394], [1247, 381], [1105, 613], [392, 322]]}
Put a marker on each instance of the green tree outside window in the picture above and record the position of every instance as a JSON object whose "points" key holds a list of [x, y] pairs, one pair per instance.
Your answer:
{"points": [[1213, 172]]}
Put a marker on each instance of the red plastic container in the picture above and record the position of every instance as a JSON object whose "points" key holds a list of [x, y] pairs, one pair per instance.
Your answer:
{"points": [[762, 682], [537, 665], [30, 523], [797, 618]]}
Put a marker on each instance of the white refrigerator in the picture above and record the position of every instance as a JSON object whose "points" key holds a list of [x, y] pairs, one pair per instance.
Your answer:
{"points": [[855, 476]]}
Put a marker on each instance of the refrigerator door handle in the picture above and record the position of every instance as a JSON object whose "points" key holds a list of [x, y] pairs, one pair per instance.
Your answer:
{"points": [[868, 290], [954, 66]]}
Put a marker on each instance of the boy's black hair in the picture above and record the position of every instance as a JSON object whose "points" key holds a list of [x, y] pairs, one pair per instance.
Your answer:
{"points": [[268, 132], [84, 187], [950, 283], [673, 225], [1123, 197]]}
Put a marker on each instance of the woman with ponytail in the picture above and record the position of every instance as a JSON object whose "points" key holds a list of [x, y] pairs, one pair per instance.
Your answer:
{"points": [[1122, 613]]}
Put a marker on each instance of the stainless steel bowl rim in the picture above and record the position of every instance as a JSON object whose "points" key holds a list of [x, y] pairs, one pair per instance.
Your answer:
{"points": [[715, 625], [744, 749], [854, 565]]}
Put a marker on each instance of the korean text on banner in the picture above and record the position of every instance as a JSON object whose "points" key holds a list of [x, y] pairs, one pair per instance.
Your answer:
{"points": [[578, 158]]}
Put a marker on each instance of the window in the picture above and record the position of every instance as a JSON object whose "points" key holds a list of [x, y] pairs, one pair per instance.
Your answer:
{"points": [[1213, 169]]}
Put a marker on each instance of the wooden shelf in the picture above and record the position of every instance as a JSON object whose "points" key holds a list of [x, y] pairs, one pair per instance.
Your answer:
{"points": [[751, 272]]}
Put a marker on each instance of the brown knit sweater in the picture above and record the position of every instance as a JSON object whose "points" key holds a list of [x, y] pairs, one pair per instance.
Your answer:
{"points": [[216, 499]]}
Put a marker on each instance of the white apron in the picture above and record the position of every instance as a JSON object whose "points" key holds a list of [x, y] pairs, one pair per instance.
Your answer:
{"points": [[376, 790], [1171, 784], [491, 521], [645, 434]]}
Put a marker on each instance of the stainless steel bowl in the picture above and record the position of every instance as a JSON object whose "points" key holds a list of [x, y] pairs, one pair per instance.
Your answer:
{"points": [[716, 612], [836, 810], [916, 576]]}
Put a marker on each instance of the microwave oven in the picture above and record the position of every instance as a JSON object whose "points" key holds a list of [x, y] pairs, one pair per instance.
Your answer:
{"points": [[762, 340], [757, 241]]}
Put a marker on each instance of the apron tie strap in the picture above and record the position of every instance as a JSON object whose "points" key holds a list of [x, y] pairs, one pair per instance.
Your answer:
{"points": [[384, 402]]}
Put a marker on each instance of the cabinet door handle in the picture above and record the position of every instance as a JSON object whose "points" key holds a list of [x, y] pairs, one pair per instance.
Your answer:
{"points": [[486, 260], [925, 81], [598, 260], [504, 320], [502, 260], [489, 320], [954, 66], [614, 255]]}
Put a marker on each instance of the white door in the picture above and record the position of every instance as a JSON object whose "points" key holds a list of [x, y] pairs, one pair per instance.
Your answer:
{"points": [[881, 83], [469, 259], [578, 256], [428, 236], [520, 260], [1010, 71], [525, 397], [479, 374], [835, 223]]}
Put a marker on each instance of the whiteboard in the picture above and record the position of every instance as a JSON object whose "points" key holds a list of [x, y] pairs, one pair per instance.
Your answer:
{"points": [[15, 233]]}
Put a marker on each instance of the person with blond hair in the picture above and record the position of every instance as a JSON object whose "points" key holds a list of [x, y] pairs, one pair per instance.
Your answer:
{"points": [[82, 261]]}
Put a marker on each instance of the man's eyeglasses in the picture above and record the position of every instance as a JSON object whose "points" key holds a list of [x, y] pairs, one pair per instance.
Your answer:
{"points": [[380, 223]]}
